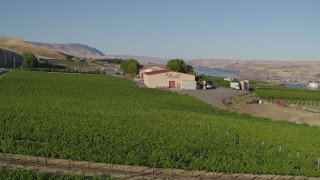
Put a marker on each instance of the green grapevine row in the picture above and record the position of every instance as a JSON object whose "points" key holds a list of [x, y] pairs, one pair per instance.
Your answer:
{"points": [[298, 97], [105, 119], [18, 174]]}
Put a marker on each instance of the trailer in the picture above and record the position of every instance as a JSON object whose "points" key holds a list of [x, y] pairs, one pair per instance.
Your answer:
{"points": [[235, 85]]}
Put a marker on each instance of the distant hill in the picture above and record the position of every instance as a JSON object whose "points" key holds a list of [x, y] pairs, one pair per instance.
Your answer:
{"points": [[141, 59], [286, 71], [75, 49], [67, 51], [19, 47]]}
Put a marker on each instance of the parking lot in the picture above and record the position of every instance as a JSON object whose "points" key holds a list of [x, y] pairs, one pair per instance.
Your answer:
{"points": [[213, 96]]}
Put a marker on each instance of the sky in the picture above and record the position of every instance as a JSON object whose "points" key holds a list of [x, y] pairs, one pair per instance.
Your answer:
{"points": [[188, 29]]}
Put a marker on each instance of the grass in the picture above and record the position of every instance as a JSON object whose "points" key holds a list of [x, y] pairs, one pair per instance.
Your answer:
{"points": [[19, 173], [74, 63]]}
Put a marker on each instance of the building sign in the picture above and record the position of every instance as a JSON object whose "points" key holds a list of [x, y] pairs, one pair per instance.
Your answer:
{"points": [[173, 76]]}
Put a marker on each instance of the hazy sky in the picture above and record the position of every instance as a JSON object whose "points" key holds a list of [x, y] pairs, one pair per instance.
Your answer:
{"points": [[229, 29]]}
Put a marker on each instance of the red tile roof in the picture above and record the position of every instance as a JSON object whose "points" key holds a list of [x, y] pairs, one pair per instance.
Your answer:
{"points": [[157, 72]]}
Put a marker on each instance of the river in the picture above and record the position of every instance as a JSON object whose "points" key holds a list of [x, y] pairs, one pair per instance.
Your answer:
{"points": [[215, 72]]}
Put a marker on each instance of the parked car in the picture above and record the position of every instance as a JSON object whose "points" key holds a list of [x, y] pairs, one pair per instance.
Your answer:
{"points": [[210, 86]]}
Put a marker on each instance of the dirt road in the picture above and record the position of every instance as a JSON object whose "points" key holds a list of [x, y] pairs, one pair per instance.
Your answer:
{"points": [[214, 97], [275, 112]]}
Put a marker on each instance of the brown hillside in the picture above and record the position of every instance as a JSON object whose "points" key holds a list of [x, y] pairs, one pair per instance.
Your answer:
{"points": [[20, 47]]}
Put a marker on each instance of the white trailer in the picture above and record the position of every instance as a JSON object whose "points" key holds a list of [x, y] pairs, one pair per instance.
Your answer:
{"points": [[189, 85], [235, 85]]}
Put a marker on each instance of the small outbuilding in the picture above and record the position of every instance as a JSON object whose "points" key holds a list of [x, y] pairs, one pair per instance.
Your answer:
{"points": [[169, 79], [244, 83], [313, 84], [228, 79]]}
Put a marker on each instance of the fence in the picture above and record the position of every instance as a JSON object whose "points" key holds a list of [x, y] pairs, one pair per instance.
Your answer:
{"points": [[66, 166]]}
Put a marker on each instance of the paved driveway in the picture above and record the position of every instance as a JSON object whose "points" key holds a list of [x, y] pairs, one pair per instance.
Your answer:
{"points": [[213, 96]]}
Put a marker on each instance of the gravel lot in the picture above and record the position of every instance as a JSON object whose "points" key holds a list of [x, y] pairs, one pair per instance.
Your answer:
{"points": [[213, 96]]}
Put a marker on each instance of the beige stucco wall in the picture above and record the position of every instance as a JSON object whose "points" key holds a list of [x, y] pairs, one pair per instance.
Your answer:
{"points": [[244, 84], [162, 80], [228, 79], [189, 85]]}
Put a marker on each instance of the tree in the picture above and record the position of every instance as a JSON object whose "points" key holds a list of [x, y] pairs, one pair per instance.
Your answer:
{"points": [[29, 60], [177, 65], [130, 66]]}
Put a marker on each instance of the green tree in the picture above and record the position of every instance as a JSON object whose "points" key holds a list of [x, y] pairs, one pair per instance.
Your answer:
{"points": [[177, 65], [130, 66], [29, 61]]}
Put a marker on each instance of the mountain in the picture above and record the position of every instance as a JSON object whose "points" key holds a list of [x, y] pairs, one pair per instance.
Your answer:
{"points": [[66, 51], [141, 59], [19, 47], [75, 49], [290, 71]]}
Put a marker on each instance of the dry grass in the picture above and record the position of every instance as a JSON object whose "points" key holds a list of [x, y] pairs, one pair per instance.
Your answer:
{"points": [[275, 112], [20, 47]]}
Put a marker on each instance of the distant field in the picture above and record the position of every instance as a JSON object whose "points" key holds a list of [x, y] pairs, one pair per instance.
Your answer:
{"points": [[292, 96], [105, 119], [72, 63]]}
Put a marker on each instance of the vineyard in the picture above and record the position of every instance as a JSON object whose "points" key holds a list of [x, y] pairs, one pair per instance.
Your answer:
{"points": [[18, 174], [106, 119], [292, 96]]}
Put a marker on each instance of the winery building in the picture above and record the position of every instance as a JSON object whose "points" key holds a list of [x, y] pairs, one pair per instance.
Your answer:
{"points": [[150, 68], [168, 79]]}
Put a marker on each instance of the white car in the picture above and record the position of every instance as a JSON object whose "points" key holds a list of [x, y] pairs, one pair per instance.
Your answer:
{"points": [[210, 86]]}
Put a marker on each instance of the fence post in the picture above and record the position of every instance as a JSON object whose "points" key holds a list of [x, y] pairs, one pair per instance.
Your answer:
{"points": [[153, 171], [318, 164]]}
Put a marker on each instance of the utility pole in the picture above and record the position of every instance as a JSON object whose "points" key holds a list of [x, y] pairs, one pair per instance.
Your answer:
{"points": [[14, 63], [5, 57]]}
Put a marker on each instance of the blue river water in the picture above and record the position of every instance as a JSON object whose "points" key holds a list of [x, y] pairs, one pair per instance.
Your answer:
{"points": [[215, 72]]}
